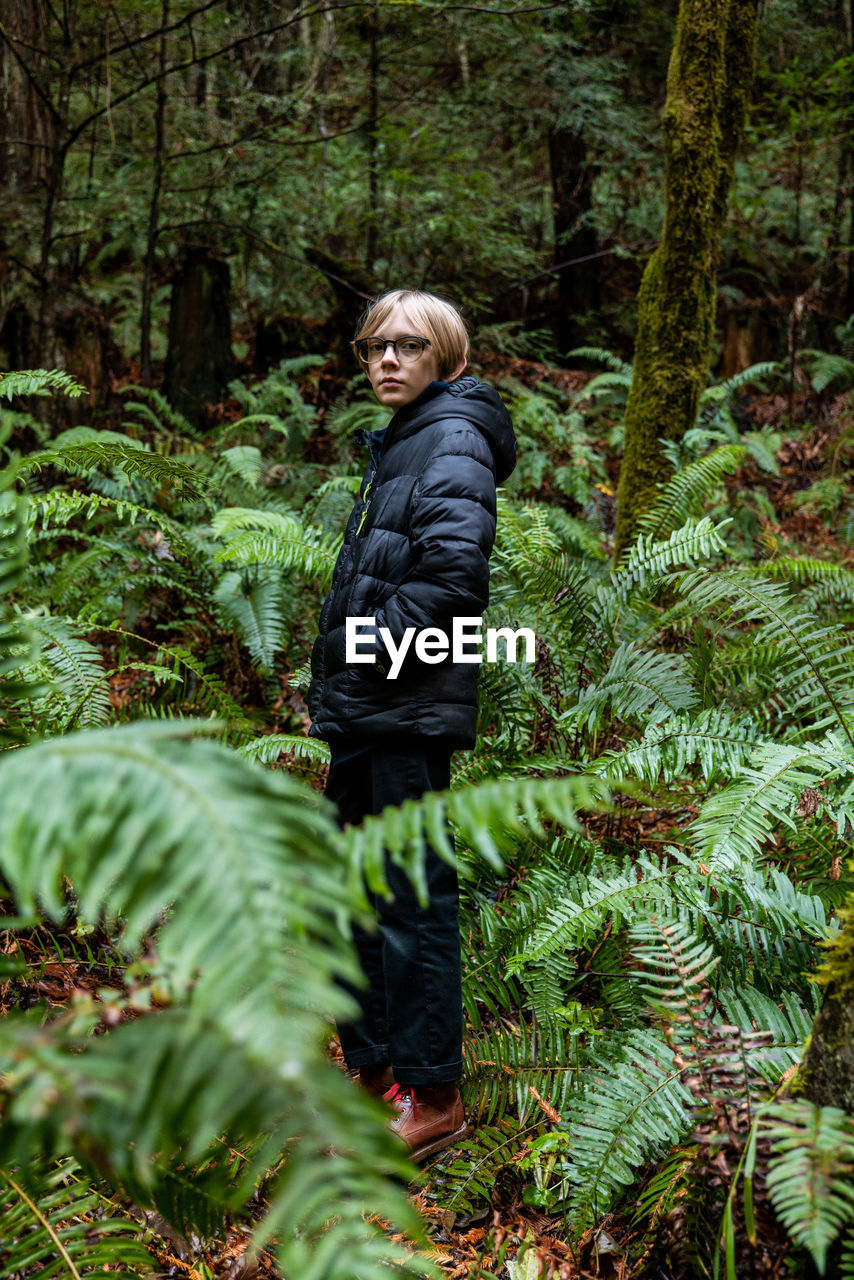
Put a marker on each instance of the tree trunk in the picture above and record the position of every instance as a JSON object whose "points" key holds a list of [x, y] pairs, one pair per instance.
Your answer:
{"points": [[373, 145], [154, 206], [572, 187], [199, 361], [25, 109], [826, 1075], [708, 85]]}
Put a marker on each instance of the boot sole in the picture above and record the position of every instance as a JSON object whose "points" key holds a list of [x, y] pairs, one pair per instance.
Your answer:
{"points": [[421, 1153]]}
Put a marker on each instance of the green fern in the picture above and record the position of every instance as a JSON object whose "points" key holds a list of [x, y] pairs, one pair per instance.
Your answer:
{"points": [[129, 458], [490, 818], [468, 1181], [687, 492], [638, 685], [256, 611], [55, 510], [788, 1020], [18, 644], [531, 1068], [269, 747], [76, 669], [814, 662], [649, 559], [156, 410], [608, 358], [619, 1118], [39, 382], [54, 1218], [275, 538], [810, 1179], [713, 739], [148, 827], [734, 824], [244, 461]]}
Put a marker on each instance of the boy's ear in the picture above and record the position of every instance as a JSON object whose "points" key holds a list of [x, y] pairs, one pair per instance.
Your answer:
{"points": [[459, 369]]}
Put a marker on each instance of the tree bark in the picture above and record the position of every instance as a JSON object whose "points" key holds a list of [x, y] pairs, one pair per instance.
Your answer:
{"points": [[199, 361], [708, 86], [575, 238], [154, 207], [25, 110], [826, 1075]]}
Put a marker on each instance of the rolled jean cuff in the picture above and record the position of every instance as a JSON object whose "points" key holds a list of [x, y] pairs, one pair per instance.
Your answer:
{"points": [[412, 1077], [375, 1056]]}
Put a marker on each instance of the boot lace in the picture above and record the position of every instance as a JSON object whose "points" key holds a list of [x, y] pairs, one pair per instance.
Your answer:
{"points": [[398, 1092]]}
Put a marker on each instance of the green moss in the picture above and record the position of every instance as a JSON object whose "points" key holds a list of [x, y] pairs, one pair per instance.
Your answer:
{"points": [[826, 1074], [708, 82]]}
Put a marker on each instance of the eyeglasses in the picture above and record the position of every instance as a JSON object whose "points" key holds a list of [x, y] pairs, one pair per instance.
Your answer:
{"points": [[407, 349]]}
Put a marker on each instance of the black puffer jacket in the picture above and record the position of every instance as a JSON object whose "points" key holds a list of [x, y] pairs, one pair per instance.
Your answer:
{"points": [[416, 554]]}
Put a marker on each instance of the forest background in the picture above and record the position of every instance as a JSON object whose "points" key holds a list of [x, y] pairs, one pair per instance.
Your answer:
{"points": [[655, 829]]}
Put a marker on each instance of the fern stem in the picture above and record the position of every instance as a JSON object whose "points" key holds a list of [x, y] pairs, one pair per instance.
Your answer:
{"points": [[37, 1213], [531, 1128], [814, 667]]}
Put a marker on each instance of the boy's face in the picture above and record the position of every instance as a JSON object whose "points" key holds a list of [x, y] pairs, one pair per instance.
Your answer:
{"points": [[397, 382]]}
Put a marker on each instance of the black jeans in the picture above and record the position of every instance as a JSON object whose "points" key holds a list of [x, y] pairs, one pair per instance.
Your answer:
{"points": [[412, 1013]]}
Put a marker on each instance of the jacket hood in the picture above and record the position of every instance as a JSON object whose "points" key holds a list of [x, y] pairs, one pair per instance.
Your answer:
{"points": [[477, 402]]}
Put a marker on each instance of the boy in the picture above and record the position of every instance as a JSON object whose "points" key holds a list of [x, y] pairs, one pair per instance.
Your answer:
{"points": [[415, 556]]}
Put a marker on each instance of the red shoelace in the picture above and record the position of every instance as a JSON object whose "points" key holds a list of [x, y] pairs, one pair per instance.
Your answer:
{"points": [[397, 1092]]}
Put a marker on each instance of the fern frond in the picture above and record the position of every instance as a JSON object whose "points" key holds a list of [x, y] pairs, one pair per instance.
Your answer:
{"points": [[244, 461], [574, 917], [202, 691], [468, 1181], [151, 828], [256, 611], [734, 824], [815, 662], [528, 1068], [834, 583], [687, 492], [39, 382], [810, 1179], [17, 642], [57, 508], [267, 748], [490, 818], [129, 458], [638, 685], [650, 558], [788, 1020], [275, 538], [604, 357], [621, 1116], [677, 970], [51, 1216], [722, 391], [157, 410], [77, 668], [713, 739]]}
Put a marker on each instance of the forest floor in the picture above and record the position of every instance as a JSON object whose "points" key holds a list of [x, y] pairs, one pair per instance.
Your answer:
{"points": [[469, 1245]]}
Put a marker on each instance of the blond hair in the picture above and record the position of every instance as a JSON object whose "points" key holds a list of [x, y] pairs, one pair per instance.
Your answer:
{"points": [[434, 317]]}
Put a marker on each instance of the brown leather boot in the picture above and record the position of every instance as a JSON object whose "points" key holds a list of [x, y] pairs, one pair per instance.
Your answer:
{"points": [[376, 1079], [429, 1117]]}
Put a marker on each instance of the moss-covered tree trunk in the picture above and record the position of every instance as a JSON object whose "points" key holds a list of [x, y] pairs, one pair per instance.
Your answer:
{"points": [[826, 1075], [708, 87]]}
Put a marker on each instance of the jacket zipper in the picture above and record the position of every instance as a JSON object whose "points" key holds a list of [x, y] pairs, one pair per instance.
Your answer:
{"points": [[367, 504]]}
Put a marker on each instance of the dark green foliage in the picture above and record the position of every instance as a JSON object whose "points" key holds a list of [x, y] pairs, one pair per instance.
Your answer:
{"points": [[625, 986], [49, 1215]]}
